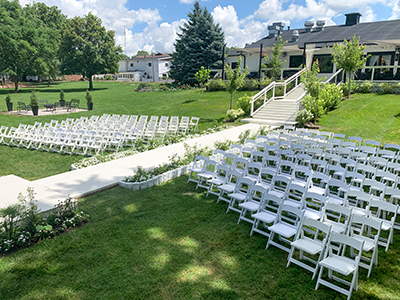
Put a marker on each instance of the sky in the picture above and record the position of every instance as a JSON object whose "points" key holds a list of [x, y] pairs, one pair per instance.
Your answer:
{"points": [[152, 25]]}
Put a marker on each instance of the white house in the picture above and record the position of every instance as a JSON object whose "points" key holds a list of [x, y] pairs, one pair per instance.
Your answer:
{"points": [[315, 42], [148, 68]]}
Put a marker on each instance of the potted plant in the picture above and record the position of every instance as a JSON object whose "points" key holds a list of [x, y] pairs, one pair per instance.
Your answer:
{"points": [[62, 98], [34, 104], [9, 103], [89, 100]]}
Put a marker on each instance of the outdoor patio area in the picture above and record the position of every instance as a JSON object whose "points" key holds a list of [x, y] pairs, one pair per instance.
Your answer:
{"points": [[43, 112]]}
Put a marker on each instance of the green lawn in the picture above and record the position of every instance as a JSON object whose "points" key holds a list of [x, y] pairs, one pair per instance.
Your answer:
{"points": [[170, 242], [370, 116], [110, 98]]}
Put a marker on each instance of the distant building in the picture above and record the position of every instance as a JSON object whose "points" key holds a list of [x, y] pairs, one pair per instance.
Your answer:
{"points": [[315, 42], [148, 68]]}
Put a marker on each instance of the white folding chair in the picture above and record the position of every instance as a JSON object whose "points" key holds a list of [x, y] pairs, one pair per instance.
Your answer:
{"points": [[337, 216], [285, 227], [254, 199], [219, 178], [366, 230], [196, 168], [266, 178], [387, 213], [310, 239], [337, 191], [319, 183], [207, 173], [342, 263], [266, 214], [359, 202], [240, 193], [229, 185], [313, 205]]}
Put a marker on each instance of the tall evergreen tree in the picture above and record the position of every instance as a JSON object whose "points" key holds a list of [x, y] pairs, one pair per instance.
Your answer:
{"points": [[199, 44]]}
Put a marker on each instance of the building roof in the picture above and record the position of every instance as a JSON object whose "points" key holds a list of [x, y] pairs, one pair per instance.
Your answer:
{"points": [[383, 32], [150, 56]]}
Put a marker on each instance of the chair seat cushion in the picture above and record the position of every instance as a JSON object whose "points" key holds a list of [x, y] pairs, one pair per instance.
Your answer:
{"points": [[264, 216], [369, 243], [238, 196], [228, 188], [342, 265], [284, 230], [249, 205], [308, 245]]}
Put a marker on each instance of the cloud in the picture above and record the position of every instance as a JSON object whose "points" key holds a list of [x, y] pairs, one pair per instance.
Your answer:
{"points": [[238, 32], [186, 1]]}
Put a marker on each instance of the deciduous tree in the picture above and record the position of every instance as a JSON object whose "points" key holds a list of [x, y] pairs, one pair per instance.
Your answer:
{"points": [[235, 79], [349, 56], [274, 62], [89, 49]]}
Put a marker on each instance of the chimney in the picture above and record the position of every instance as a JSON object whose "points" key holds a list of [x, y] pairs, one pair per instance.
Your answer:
{"points": [[352, 18], [308, 25]]}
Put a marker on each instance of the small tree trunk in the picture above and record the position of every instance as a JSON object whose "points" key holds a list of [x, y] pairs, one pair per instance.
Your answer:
{"points": [[16, 84], [316, 111], [231, 101], [90, 83], [348, 92]]}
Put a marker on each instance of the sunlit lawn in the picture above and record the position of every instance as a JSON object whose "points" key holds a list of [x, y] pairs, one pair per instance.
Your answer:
{"points": [[170, 242], [108, 98], [370, 116]]}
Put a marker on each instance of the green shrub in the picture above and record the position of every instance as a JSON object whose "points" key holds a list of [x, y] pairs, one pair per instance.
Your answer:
{"points": [[386, 88], [264, 83], [366, 86], [34, 100], [303, 116], [250, 85], [345, 87], [233, 114], [309, 104], [244, 104], [331, 95], [215, 85]]}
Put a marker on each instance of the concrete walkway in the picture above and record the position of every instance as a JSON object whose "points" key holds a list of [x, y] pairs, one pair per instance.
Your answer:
{"points": [[89, 180]]}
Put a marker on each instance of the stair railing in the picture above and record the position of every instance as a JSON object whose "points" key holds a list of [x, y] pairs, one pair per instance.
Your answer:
{"points": [[272, 86]]}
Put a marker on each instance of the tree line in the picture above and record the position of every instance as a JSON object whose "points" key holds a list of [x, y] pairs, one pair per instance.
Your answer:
{"points": [[39, 40]]}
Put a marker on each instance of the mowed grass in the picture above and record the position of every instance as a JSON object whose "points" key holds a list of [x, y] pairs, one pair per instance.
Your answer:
{"points": [[108, 98], [170, 242], [370, 116]]}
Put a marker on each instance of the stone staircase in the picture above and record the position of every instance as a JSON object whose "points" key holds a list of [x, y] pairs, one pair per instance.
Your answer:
{"points": [[279, 112]]}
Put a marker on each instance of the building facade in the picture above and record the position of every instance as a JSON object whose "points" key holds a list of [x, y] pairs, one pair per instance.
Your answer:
{"points": [[315, 42], [148, 68]]}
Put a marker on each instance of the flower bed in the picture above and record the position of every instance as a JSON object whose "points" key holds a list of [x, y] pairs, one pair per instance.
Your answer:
{"points": [[24, 225], [141, 147]]}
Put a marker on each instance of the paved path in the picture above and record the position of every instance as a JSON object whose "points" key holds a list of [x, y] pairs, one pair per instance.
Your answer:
{"points": [[86, 181]]}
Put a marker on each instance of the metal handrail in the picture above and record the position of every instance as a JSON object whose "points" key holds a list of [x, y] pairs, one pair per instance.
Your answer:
{"points": [[272, 86]]}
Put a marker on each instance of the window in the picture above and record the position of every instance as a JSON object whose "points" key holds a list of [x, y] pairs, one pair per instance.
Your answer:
{"points": [[166, 64], [149, 64], [325, 62], [233, 65], [131, 64], [295, 61]]}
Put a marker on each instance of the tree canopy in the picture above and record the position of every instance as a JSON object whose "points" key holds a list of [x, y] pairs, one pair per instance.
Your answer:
{"points": [[274, 62], [349, 56], [199, 44], [235, 78], [88, 48], [141, 53], [30, 39]]}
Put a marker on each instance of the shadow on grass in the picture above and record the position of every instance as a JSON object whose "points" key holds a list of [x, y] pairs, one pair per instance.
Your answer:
{"points": [[44, 89], [166, 242], [188, 101]]}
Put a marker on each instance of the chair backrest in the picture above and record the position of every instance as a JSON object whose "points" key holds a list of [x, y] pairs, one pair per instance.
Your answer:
{"points": [[256, 194], [387, 178], [272, 162], [295, 193], [246, 152], [317, 229], [244, 185], [261, 139], [349, 164], [232, 177], [367, 170], [266, 177], [229, 159], [374, 187], [337, 215], [360, 225], [289, 215], [257, 156], [210, 166], [378, 162], [339, 136], [253, 170], [235, 149], [249, 143], [383, 210], [199, 161], [286, 168], [320, 180], [240, 164], [358, 199], [372, 143], [280, 183], [346, 242], [338, 188], [302, 174], [314, 205]]}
